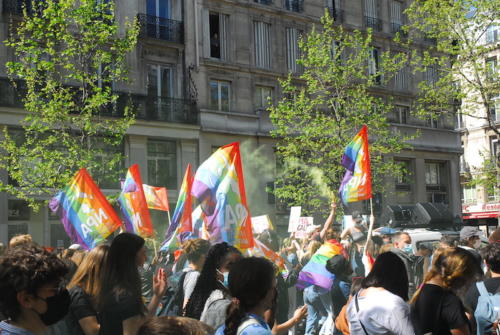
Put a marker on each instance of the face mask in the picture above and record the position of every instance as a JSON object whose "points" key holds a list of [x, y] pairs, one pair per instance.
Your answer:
{"points": [[408, 249], [225, 282], [57, 307], [477, 244]]}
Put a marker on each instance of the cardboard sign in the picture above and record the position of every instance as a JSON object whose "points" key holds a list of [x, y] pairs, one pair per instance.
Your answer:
{"points": [[304, 223], [294, 218], [261, 223]]}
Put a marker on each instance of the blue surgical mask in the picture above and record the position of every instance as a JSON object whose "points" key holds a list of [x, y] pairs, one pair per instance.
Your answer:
{"points": [[225, 282], [408, 249]]}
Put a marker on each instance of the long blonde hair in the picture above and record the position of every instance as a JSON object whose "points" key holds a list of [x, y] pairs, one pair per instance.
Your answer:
{"points": [[454, 266], [88, 274]]}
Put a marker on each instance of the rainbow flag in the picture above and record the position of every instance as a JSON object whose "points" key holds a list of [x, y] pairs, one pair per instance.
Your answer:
{"points": [[315, 272], [85, 213], [156, 197], [357, 182], [134, 205], [219, 186], [261, 250], [181, 220], [199, 220]]}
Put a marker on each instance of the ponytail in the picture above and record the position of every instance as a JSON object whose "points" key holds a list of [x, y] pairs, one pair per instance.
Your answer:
{"points": [[235, 315]]}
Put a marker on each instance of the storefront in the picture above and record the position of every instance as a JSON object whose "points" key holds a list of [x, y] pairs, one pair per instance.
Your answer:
{"points": [[485, 215]]}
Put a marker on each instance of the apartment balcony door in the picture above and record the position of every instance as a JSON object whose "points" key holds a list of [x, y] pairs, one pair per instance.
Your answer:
{"points": [[159, 12]]}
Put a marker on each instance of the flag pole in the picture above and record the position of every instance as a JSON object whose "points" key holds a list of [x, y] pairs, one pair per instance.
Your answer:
{"points": [[370, 227]]}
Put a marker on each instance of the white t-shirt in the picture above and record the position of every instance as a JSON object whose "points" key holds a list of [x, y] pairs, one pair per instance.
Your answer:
{"points": [[381, 312], [189, 283]]}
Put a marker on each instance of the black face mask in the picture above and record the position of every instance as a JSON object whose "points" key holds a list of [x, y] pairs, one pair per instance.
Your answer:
{"points": [[57, 307]]}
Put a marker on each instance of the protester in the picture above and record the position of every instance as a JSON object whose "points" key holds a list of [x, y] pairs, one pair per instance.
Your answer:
{"points": [[252, 285], [494, 236], [20, 240], [380, 307], [174, 325], [83, 289], [120, 300], [31, 295], [341, 322], [341, 286], [210, 297], [436, 306], [470, 240], [491, 256], [403, 249], [447, 241], [196, 251]]}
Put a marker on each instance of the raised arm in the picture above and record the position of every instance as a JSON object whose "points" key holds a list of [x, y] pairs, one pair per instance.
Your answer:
{"points": [[329, 220]]}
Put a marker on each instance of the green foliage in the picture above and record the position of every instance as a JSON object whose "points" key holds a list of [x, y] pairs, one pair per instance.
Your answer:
{"points": [[487, 175], [322, 110], [68, 55], [459, 48]]}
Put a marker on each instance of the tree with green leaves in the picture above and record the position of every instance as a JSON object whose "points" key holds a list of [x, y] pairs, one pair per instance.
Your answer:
{"points": [[462, 36], [68, 56], [325, 106]]}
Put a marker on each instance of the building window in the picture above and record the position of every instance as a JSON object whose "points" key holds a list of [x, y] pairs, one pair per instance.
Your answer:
{"points": [[432, 174], [16, 229], [294, 5], [264, 2], [492, 34], [262, 37], [431, 75], [494, 147], [469, 194], [371, 15], [218, 35], [262, 97], [402, 180], [162, 163], [401, 79], [491, 68], [58, 236], [433, 122], [336, 10], [160, 81], [402, 114], [292, 49], [495, 109], [374, 65], [396, 16], [18, 210], [219, 95], [104, 153]]}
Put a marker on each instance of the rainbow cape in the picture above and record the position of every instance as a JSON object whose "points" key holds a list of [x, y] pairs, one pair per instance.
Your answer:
{"points": [[134, 205], [315, 272], [181, 220], [357, 182], [85, 213], [219, 187], [156, 197]]}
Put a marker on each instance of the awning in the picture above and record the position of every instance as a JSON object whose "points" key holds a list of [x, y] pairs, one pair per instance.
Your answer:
{"points": [[480, 215]]}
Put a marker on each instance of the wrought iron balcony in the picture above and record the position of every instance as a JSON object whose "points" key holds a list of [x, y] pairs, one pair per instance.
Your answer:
{"points": [[398, 28], [160, 109], [294, 5], [374, 23], [264, 2], [161, 28], [337, 14]]}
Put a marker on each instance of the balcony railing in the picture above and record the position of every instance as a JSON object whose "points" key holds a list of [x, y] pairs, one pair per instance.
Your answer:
{"points": [[374, 23], [398, 28], [264, 2], [161, 28], [160, 109], [337, 15], [145, 107], [294, 5]]}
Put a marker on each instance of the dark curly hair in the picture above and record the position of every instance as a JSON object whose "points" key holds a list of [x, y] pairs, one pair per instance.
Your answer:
{"points": [[491, 255], [250, 279], [26, 268], [207, 281]]}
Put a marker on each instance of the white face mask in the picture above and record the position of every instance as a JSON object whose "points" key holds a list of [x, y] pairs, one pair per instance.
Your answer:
{"points": [[477, 244]]}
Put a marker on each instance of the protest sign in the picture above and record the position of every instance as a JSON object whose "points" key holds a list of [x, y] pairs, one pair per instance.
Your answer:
{"points": [[261, 223], [304, 223], [294, 218]]}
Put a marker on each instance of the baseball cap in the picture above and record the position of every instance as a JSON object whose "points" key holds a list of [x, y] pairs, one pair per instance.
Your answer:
{"points": [[469, 231]]}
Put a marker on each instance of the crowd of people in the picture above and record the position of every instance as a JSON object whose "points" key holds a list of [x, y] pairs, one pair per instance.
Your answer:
{"points": [[122, 288]]}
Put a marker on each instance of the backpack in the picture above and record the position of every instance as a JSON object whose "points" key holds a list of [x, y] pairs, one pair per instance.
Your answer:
{"points": [[174, 298], [245, 324], [488, 305]]}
